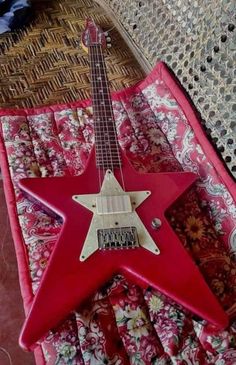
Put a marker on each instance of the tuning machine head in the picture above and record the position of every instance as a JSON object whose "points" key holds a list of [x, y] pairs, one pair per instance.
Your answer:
{"points": [[108, 40]]}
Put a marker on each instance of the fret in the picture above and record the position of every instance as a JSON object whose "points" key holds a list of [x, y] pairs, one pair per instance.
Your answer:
{"points": [[113, 150], [99, 101], [100, 146], [102, 107], [106, 102], [107, 134], [107, 124], [98, 77], [102, 140], [110, 152], [106, 118], [107, 159], [110, 127], [102, 143], [104, 115], [101, 95], [102, 118], [101, 158], [106, 131], [104, 124], [96, 86], [99, 80], [107, 166], [101, 137], [97, 83], [97, 96], [109, 162], [103, 161], [105, 151]]}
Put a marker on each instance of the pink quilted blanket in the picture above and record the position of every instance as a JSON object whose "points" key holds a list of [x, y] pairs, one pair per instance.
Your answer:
{"points": [[123, 324]]}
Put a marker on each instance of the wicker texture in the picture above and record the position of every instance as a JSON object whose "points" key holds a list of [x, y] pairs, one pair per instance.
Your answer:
{"points": [[44, 64], [197, 39]]}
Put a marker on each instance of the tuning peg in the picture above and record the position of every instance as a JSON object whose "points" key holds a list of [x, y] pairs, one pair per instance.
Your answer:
{"points": [[109, 45], [106, 34], [108, 39]]}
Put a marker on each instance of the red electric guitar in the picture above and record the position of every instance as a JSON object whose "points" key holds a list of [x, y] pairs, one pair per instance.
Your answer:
{"points": [[114, 222]]}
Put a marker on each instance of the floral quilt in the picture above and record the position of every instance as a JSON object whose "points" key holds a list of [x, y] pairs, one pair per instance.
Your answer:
{"points": [[123, 324]]}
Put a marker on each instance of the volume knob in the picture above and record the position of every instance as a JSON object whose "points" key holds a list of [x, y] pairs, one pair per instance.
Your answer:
{"points": [[156, 223]]}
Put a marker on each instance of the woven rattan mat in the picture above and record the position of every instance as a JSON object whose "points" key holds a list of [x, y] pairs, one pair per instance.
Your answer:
{"points": [[197, 39], [44, 64]]}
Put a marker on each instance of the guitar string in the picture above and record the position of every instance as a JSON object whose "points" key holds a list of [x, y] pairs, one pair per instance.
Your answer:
{"points": [[113, 128], [115, 133], [95, 136], [101, 163], [104, 118], [113, 123], [91, 61], [100, 60], [104, 113]]}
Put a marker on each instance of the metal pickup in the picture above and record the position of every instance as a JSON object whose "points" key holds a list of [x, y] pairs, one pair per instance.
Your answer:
{"points": [[113, 204]]}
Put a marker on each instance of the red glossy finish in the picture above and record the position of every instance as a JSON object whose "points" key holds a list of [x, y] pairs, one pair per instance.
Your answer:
{"points": [[68, 283]]}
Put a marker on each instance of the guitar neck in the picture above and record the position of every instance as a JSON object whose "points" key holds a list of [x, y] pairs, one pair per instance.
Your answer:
{"points": [[106, 143]]}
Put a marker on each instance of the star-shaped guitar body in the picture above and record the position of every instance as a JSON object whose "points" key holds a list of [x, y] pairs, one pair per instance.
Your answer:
{"points": [[80, 264]]}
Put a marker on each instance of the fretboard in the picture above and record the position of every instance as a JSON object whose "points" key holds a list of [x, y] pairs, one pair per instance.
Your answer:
{"points": [[106, 143]]}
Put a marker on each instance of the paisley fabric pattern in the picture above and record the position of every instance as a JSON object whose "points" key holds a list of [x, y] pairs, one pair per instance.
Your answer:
{"points": [[124, 324]]}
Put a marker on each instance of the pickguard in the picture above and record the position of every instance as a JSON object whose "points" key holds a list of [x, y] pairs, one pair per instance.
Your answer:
{"points": [[113, 207]]}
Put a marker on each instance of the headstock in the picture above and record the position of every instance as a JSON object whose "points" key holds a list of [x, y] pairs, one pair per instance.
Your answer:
{"points": [[93, 34]]}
